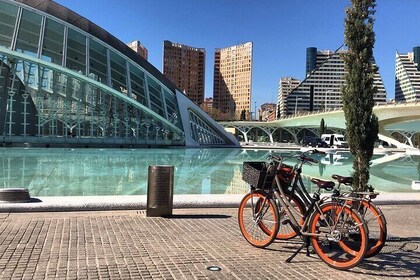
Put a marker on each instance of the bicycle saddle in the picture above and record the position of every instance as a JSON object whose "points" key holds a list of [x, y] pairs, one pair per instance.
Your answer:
{"points": [[326, 185], [343, 180]]}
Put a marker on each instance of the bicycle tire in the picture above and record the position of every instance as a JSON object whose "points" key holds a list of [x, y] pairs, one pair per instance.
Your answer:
{"points": [[251, 221], [376, 223], [286, 231], [338, 249]]}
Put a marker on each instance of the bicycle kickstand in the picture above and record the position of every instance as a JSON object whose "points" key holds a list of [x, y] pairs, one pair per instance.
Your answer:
{"points": [[305, 244]]}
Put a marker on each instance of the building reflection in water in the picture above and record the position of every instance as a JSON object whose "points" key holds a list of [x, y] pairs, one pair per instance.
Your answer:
{"points": [[83, 172]]}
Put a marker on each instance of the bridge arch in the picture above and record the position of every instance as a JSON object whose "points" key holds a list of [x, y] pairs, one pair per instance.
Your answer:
{"points": [[388, 115]]}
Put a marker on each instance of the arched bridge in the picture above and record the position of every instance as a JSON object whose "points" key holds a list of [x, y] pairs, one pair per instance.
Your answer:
{"points": [[395, 119]]}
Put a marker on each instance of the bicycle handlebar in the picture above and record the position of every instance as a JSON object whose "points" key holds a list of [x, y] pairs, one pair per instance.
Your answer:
{"points": [[315, 151], [302, 157], [276, 158], [305, 159]]}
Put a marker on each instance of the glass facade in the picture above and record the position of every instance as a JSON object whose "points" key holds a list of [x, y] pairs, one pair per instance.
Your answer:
{"points": [[52, 44], [8, 15], [60, 84]]}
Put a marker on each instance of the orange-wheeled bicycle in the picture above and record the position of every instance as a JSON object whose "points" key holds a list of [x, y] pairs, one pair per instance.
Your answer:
{"points": [[338, 235]]}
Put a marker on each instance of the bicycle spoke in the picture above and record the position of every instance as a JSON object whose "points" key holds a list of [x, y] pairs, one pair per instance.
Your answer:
{"points": [[345, 245]]}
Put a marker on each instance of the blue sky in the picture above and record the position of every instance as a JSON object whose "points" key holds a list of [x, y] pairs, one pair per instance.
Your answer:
{"points": [[280, 30]]}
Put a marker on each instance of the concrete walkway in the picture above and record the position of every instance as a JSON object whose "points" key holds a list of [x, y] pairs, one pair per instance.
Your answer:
{"points": [[128, 245]]}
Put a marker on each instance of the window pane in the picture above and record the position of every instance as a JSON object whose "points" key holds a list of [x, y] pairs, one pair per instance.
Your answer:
{"points": [[137, 84], [52, 46], [118, 73], [97, 63], [155, 96], [28, 35], [7, 23], [171, 105], [76, 51]]}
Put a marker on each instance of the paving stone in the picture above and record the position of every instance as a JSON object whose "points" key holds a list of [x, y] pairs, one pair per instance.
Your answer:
{"points": [[125, 245]]}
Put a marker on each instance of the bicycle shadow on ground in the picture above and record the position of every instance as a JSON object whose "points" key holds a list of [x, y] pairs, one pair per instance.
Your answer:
{"points": [[289, 246], [400, 257]]}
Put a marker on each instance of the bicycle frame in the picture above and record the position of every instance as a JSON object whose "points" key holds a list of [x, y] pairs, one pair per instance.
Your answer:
{"points": [[298, 188], [288, 207]]}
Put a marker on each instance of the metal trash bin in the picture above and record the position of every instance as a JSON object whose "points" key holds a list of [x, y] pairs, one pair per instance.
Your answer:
{"points": [[160, 189]]}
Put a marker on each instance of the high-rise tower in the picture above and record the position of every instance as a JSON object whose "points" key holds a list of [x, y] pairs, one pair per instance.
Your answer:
{"points": [[322, 87], [286, 85], [185, 67], [232, 80], [407, 76]]}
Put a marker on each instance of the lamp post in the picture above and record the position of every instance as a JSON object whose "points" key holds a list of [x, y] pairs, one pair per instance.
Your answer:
{"points": [[255, 110], [296, 100]]}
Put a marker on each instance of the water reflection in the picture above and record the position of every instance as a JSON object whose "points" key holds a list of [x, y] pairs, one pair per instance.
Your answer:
{"points": [[73, 172]]}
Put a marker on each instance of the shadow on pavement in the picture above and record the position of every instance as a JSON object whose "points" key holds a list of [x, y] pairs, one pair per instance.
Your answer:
{"points": [[198, 216], [400, 257]]}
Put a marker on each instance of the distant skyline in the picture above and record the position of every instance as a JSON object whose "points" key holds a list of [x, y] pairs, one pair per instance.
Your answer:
{"points": [[280, 31]]}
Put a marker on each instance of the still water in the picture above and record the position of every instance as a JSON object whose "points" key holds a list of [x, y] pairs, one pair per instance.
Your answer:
{"points": [[95, 172]]}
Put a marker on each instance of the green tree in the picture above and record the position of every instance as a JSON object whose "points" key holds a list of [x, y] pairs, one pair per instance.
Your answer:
{"points": [[418, 169], [243, 115], [322, 127], [358, 91]]}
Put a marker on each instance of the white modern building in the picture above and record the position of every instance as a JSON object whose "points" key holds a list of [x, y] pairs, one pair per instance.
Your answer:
{"points": [[322, 87], [407, 76], [66, 81], [286, 85]]}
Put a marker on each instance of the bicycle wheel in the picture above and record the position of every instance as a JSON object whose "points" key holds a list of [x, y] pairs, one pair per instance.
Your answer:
{"points": [[340, 236], [286, 231], [376, 223], [252, 219]]}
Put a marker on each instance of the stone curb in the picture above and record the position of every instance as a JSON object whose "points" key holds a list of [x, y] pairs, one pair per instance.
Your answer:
{"points": [[139, 202]]}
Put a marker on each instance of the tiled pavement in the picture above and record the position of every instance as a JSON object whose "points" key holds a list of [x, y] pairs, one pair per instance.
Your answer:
{"points": [[127, 245]]}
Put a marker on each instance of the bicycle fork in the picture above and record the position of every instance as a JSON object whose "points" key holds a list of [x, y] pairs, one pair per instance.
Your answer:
{"points": [[261, 212]]}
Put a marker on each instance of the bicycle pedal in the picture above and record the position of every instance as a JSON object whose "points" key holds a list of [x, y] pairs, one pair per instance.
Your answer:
{"points": [[285, 222]]}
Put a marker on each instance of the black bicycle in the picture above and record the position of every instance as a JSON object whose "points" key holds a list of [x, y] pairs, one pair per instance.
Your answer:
{"points": [[337, 233]]}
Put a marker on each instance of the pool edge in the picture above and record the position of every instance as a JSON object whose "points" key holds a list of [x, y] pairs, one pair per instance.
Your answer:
{"points": [[139, 202]]}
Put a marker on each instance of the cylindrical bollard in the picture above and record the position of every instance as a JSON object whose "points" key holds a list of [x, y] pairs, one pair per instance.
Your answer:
{"points": [[160, 188]]}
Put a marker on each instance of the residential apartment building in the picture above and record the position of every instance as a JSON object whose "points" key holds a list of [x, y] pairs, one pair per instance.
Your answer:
{"points": [[286, 85], [185, 67], [407, 76], [139, 48], [232, 80], [322, 88]]}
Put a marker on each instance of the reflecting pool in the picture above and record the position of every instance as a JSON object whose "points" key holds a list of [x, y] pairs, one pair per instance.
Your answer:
{"points": [[95, 172]]}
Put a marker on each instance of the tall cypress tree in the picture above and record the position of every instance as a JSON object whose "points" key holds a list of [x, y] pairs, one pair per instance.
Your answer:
{"points": [[322, 127], [361, 123]]}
